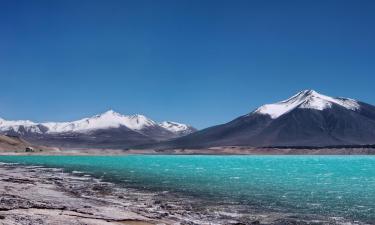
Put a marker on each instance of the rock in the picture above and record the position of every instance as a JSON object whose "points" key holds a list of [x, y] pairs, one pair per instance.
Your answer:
{"points": [[256, 222], [29, 149], [188, 223]]}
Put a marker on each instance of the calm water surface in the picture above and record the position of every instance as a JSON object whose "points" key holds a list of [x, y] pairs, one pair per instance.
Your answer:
{"points": [[326, 185]]}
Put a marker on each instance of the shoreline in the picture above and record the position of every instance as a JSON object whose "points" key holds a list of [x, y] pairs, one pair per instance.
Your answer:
{"points": [[233, 150], [40, 195], [37, 195], [34, 194]]}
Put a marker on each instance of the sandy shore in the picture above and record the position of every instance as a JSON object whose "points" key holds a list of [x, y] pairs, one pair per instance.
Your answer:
{"points": [[36, 195]]}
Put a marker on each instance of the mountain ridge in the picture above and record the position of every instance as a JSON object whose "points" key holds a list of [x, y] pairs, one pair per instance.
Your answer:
{"points": [[96, 131], [108, 119]]}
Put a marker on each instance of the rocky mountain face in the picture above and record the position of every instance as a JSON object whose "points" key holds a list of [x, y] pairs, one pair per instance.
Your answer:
{"points": [[306, 119], [107, 130]]}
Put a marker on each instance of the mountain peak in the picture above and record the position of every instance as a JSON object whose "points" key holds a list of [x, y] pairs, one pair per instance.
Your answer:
{"points": [[306, 99], [110, 113], [308, 92], [138, 116]]}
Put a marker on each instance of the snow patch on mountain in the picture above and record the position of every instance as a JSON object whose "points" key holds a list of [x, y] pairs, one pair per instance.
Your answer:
{"points": [[175, 127], [307, 99], [19, 126]]}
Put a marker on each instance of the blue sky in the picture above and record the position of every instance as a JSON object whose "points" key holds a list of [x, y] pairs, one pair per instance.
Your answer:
{"points": [[194, 61]]}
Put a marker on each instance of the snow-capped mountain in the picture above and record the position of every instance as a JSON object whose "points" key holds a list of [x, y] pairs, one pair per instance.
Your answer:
{"points": [[306, 119], [307, 99], [109, 119], [178, 128], [111, 128]]}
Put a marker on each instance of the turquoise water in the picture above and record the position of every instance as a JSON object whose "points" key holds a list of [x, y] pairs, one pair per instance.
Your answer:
{"points": [[326, 185]]}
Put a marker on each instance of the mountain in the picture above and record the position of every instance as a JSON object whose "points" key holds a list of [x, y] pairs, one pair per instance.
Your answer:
{"points": [[107, 130], [306, 119], [12, 143]]}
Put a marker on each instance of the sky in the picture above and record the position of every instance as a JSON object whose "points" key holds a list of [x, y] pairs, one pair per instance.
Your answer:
{"points": [[199, 62]]}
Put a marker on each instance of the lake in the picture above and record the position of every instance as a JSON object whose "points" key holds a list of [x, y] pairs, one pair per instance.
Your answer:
{"points": [[334, 186]]}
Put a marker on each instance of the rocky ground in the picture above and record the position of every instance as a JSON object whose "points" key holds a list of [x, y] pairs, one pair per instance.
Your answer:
{"points": [[36, 195]]}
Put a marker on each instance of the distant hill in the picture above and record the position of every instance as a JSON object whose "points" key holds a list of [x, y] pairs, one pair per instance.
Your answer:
{"points": [[12, 143]]}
